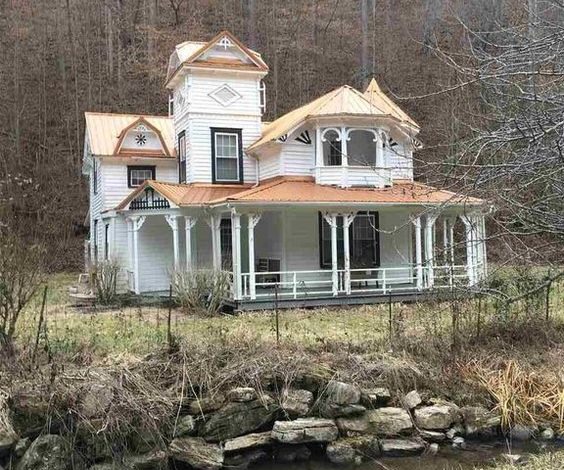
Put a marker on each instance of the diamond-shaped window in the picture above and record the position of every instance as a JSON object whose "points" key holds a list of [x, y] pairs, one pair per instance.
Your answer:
{"points": [[225, 95]]}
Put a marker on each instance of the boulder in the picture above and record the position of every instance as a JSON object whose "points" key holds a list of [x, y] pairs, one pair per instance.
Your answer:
{"points": [[331, 410], [479, 422], [389, 421], [401, 447], [21, 447], [342, 453], [250, 441], [547, 434], [156, 460], [47, 452], [95, 399], [456, 430], [297, 403], [520, 432], [237, 419], [433, 449], [8, 437], [242, 394], [412, 400], [340, 399], [366, 446], [459, 442], [185, 426], [244, 461], [206, 405], [374, 397], [434, 417], [197, 453], [432, 436], [305, 430], [292, 453]]}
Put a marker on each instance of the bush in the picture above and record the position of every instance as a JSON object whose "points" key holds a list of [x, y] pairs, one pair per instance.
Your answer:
{"points": [[105, 275], [202, 290]]}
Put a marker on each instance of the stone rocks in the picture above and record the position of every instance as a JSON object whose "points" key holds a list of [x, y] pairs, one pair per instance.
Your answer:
{"points": [[185, 426], [95, 399], [389, 421], [342, 453], [22, 446], [459, 443], [47, 452], [401, 447], [520, 432], [513, 459], [292, 453], [244, 461], [206, 405], [340, 399], [434, 417], [237, 419], [250, 441], [412, 400], [297, 403], [456, 430], [8, 437], [156, 460], [197, 453], [547, 434], [480, 422], [305, 430], [432, 436], [373, 397], [242, 394]]}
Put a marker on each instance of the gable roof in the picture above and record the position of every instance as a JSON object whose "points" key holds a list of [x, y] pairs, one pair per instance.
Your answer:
{"points": [[104, 131], [375, 96], [343, 101], [141, 121], [190, 53]]}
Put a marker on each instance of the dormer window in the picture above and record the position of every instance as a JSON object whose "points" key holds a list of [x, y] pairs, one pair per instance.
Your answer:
{"points": [[332, 148], [227, 155]]}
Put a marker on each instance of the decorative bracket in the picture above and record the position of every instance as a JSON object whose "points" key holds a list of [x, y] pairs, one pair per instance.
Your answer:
{"points": [[330, 218], [172, 221], [190, 221], [138, 222], [254, 219]]}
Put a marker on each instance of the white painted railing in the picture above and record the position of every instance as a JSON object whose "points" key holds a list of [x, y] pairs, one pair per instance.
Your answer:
{"points": [[303, 284], [130, 280], [347, 176]]}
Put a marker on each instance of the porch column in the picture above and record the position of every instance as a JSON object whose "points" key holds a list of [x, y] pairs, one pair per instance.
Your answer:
{"points": [[172, 221], [380, 150], [214, 223], [129, 223], [470, 251], [236, 253], [331, 219], [189, 223], [344, 157], [138, 222], [252, 221], [347, 221], [318, 153], [484, 258], [418, 257], [429, 248]]}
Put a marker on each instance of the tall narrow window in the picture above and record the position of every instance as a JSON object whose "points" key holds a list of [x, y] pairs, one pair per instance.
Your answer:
{"points": [[94, 239], [226, 243], [332, 149], [182, 157], [106, 241], [171, 104], [227, 155], [262, 97], [94, 176]]}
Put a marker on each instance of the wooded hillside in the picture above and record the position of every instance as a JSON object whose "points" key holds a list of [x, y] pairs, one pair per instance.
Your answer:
{"points": [[59, 58]]}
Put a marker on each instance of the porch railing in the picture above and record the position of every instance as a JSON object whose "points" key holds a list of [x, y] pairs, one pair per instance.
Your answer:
{"points": [[313, 283]]}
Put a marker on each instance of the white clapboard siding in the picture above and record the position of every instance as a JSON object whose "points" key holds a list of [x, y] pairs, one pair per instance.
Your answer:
{"points": [[269, 237], [200, 155], [119, 252], [269, 165], [114, 173], [96, 207], [395, 243], [155, 255], [297, 158], [400, 161]]}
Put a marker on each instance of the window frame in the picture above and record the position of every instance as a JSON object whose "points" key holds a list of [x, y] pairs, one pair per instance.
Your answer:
{"points": [[375, 263], [181, 165], [106, 241], [94, 176], [95, 240], [226, 243], [214, 131], [131, 168]]}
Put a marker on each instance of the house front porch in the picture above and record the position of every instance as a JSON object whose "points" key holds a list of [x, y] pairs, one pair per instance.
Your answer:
{"points": [[309, 256]]}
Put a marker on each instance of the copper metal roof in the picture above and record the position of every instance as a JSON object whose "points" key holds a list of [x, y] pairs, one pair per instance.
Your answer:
{"points": [[104, 130]]}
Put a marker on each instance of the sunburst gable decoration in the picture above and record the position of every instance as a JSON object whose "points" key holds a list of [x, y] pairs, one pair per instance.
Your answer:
{"points": [[140, 139]]}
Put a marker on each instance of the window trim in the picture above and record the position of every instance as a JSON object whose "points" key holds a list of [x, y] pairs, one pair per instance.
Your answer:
{"points": [[95, 240], [225, 130], [94, 176], [181, 136], [106, 241], [375, 263], [130, 168]]}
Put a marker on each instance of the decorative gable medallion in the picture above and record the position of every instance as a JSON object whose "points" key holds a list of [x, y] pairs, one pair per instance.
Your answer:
{"points": [[283, 138], [225, 95], [225, 42], [304, 138]]}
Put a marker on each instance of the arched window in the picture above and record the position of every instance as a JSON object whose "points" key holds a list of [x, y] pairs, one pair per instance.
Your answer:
{"points": [[332, 148], [361, 147]]}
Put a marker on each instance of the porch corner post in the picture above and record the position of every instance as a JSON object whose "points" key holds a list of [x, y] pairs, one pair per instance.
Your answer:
{"points": [[214, 223], [429, 248], [318, 153], [469, 230], [172, 220], [189, 223], [138, 222], [347, 221], [253, 220], [236, 253], [418, 257]]}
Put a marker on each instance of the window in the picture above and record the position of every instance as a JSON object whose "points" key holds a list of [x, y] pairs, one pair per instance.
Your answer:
{"points": [[106, 241], [262, 97], [94, 176], [332, 149], [226, 243], [364, 241], [137, 175], [227, 161], [182, 157], [171, 104], [94, 239]]}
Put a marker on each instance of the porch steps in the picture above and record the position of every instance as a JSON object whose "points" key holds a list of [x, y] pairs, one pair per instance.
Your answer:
{"points": [[82, 293]]}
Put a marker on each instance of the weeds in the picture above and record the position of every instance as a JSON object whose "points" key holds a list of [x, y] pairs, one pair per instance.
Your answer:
{"points": [[200, 291], [104, 276]]}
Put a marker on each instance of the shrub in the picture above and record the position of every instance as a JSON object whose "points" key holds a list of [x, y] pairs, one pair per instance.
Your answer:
{"points": [[104, 276], [202, 290]]}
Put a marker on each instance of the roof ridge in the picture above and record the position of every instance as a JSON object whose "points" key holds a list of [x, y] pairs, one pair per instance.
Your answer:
{"points": [[102, 113]]}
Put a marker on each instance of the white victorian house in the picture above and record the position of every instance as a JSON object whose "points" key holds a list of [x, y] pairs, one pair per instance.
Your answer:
{"points": [[320, 203]]}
